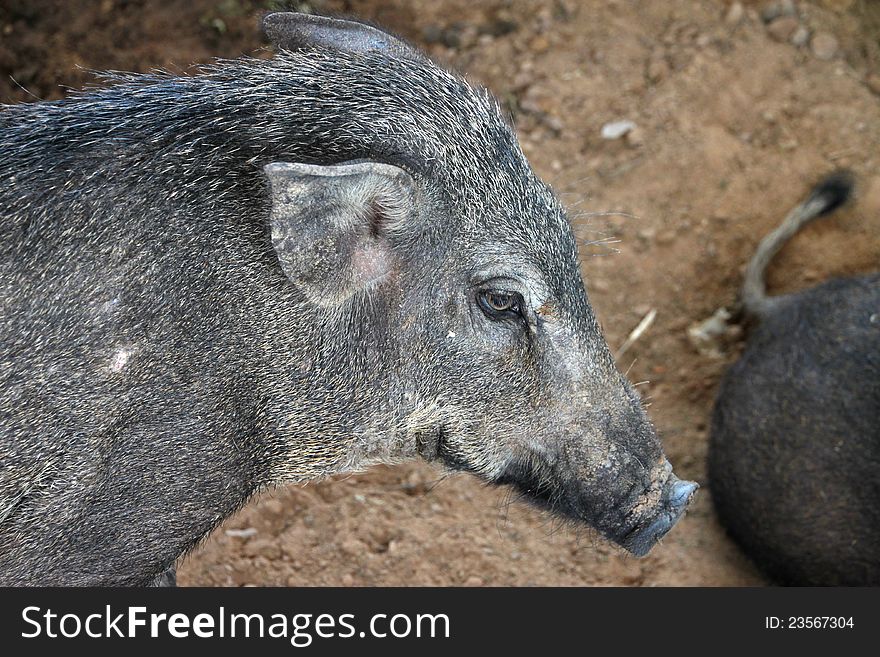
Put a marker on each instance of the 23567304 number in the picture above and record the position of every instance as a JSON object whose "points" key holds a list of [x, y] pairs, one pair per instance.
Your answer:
{"points": [[819, 622]]}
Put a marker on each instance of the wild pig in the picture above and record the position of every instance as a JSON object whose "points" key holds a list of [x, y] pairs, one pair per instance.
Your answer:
{"points": [[274, 271], [794, 459]]}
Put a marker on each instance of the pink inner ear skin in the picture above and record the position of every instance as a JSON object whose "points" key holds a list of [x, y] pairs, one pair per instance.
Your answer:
{"points": [[370, 264]]}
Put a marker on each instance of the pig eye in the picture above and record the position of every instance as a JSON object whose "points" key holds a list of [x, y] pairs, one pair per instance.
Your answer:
{"points": [[497, 304]]}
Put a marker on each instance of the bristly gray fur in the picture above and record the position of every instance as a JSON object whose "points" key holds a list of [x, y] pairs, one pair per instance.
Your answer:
{"points": [[157, 367], [212, 130]]}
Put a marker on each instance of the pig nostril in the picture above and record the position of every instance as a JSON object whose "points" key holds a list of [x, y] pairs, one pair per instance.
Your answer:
{"points": [[681, 492]]}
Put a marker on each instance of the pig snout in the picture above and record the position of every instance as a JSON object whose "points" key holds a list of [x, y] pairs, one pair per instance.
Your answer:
{"points": [[676, 496], [635, 518]]}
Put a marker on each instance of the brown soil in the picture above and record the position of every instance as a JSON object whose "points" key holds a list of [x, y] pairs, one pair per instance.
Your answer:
{"points": [[733, 126]]}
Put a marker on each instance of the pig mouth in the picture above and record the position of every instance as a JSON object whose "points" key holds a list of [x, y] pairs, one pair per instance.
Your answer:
{"points": [[568, 501]]}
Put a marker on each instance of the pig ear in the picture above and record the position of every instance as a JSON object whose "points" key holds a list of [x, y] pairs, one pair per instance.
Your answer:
{"points": [[333, 226], [293, 31]]}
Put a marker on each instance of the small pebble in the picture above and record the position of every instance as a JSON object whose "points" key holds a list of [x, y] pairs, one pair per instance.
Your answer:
{"points": [[800, 37], [539, 45], [262, 547], [352, 547], [272, 506], [735, 14], [554, 123], [783, 28], [824, 46], [777, 9], [617, 129]]}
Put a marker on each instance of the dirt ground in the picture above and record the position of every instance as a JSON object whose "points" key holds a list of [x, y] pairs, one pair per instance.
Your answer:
{"points": [[735, 116]]}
